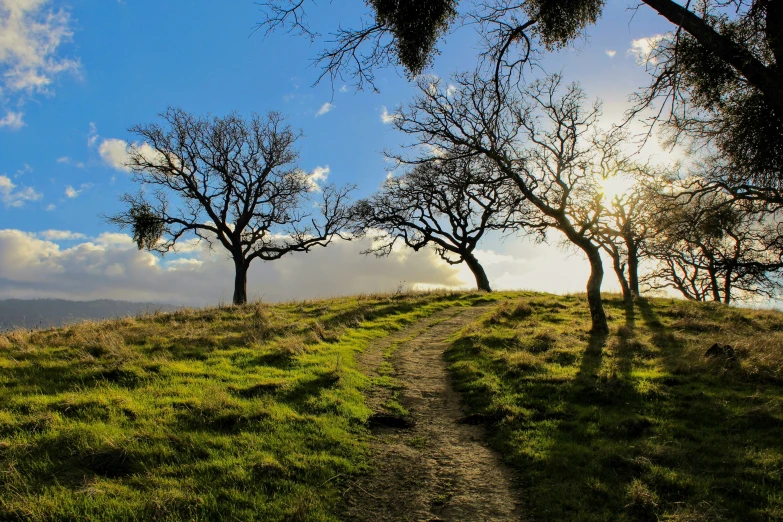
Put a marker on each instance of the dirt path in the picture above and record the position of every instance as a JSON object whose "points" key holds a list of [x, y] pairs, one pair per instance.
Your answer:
{"points": [[434, 468]]}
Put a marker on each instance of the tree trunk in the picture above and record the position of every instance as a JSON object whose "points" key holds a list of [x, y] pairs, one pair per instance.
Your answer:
{"points": [[594, 290], [482, 282], [633, 266], [714, 285], [618, 269], [240, 282], [727, 287]]}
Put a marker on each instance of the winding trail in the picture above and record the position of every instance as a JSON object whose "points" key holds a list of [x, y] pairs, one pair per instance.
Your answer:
{"points": [[437, 468]]}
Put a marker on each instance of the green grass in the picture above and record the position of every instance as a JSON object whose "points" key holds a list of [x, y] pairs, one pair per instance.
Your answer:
{"points": [[636, 425], [236, 413], [259, 412]]}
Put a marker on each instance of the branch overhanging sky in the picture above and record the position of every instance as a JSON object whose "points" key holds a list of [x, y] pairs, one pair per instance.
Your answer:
{"points": [[75, 76]]}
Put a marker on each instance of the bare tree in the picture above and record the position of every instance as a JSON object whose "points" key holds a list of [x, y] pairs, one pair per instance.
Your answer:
{"points": [[742, 35], [231, 182], [626, 207], [710, 247], [446, 204], [716, 78], [539, 136]]}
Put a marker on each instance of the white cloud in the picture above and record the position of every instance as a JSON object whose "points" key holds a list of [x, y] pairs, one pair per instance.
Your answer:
{"points": [[50, 207], [115, 239], [326, 107], [115, 153], [30, 37], [433, 151], [451, 90], [13, 196], [642, 48], [111, 267], [387, 117], [60, 235], [12, 120], [610, 53], [72, 193], [490, 257], [318, 175], [344, 88], [65, 160], [92, 135]]}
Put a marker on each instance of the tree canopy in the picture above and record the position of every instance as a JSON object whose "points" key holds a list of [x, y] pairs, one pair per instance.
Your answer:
{"points": [[716, 77], [228, 181], [446, 204]]}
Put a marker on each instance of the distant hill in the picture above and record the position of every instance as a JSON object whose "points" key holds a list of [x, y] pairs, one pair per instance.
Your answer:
{"points": [[42, 313]]}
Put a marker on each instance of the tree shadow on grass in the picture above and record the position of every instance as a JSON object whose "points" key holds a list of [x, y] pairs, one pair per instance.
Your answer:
{"points": [[704, 432], [623, 441]]}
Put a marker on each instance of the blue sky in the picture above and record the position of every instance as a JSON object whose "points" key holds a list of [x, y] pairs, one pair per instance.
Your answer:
{"points": [[77, 74]]}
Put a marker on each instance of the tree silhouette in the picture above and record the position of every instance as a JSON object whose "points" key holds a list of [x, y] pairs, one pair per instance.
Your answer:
{"points": [[716, 78], [743, 35], [227, 181], [541, 137], [446, 204], [724, 94], [712, 248], [625, 207]]}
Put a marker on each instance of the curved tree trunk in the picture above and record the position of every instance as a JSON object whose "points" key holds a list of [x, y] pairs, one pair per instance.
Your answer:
{"points": [[597, 313], [619, 270], [240, 282], [482, 281]]}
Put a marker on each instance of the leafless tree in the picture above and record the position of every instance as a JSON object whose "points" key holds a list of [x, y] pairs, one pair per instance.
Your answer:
{"points": [[711, 247], [231, 182], [740, 34], [626, 207], [540, 136], [446, 204], [716, 78]]}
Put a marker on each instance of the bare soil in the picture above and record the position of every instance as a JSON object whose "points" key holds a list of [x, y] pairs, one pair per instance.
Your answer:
{"points": [[430, 465]]}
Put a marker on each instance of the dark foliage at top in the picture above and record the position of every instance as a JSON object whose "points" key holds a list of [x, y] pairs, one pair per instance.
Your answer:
{"points": [[558, 22], [727, 95], [416, 27]]}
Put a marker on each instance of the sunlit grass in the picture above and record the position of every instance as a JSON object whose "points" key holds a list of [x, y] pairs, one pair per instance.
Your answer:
{"points": [[235, 413], [636, 425]]}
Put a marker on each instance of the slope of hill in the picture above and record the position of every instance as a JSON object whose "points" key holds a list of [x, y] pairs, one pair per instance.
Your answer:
{"points": [[236, 413], [652, 422], [43, 313], [261, 412]]}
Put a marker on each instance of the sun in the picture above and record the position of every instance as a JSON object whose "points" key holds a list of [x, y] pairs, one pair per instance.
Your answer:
{"points": [[615, 187]]}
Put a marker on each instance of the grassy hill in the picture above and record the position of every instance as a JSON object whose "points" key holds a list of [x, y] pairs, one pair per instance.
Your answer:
{"points": [[636, 425], [259, 413]]}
